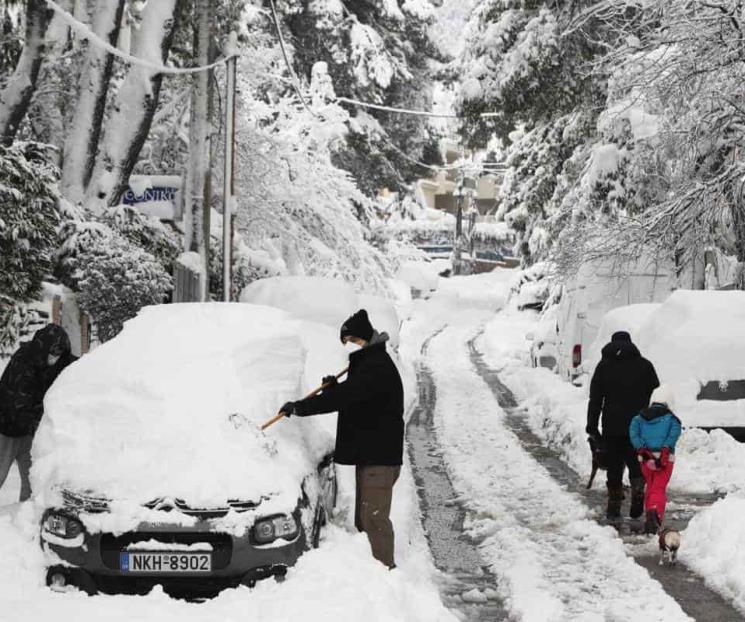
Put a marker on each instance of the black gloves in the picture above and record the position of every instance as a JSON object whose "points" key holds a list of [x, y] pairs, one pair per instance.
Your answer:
{"points": [[330, 381], [289, 409]]}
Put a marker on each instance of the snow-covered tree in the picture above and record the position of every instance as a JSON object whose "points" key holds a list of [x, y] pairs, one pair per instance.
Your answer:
{"points": [[379, 52], [28, 219]]}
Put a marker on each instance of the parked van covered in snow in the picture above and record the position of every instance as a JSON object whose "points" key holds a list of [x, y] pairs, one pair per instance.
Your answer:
{"points": [[586, 298]]}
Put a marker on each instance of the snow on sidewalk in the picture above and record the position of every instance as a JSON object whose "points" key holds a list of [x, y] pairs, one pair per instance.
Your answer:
{"points": [[553, 563]]}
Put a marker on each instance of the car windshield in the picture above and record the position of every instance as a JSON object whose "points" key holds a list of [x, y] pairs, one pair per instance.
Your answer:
{"points": [[722, 390]]}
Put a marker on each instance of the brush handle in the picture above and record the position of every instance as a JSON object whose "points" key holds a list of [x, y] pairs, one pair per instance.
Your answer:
{"points": [[313, 393]]}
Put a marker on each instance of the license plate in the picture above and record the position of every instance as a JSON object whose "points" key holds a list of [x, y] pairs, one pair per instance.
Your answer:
{"points": [[165, 562]]}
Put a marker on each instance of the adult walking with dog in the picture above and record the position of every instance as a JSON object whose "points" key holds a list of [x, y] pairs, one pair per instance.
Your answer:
{"points": [[28, 376], [370, 427], [620, 388]]}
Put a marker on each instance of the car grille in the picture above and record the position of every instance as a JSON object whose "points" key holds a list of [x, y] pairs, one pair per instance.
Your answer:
{"points": [[168, 505], [112, 546]]}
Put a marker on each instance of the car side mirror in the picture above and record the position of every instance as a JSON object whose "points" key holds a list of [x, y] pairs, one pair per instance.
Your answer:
{"points": [[529, 336]]}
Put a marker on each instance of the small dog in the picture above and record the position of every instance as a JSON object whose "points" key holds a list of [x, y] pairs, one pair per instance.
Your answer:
{"points": [[669, 540]]}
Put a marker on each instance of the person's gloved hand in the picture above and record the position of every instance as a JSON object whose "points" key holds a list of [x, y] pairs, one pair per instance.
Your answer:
{"points": [[289, 409], [643, 455], [330, 381], [665, 456]]}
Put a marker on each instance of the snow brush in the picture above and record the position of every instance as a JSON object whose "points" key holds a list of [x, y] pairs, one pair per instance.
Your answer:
{"points": [[313, 393]]}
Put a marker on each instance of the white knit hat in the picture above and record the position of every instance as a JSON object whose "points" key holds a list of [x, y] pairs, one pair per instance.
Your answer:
{"points": [[664, 395]]}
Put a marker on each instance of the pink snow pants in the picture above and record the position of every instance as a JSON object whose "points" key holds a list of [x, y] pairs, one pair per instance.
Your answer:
{"points": [[657, 480]]}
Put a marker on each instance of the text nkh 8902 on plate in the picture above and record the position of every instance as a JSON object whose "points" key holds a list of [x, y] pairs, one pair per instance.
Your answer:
{"points": [[165, 562]]}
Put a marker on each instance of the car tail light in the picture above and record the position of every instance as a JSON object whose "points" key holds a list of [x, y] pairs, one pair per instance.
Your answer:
{"points": [[577, 355]]}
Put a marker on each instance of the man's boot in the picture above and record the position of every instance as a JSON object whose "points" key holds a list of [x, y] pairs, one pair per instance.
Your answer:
{"points": [[637, 497], [615, 497]]}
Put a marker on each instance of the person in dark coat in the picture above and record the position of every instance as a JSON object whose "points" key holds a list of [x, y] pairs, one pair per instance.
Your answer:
{"points": [[23, 385], [370, 428], [621, 387]]}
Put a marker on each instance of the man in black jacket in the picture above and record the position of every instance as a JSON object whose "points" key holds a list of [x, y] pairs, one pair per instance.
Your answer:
{"points": [[621, 387], [370, 428], [24, 383]]}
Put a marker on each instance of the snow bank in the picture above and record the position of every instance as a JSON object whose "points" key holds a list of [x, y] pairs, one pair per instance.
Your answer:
{"points": [[146, 414], [714, 546]]}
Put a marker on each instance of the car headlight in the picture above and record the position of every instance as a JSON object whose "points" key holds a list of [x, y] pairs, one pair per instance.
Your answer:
{"points": [[62, 526], [268, 530]]}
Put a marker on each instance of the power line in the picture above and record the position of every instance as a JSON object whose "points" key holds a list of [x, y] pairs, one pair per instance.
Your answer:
{"points": [[419, 113]]}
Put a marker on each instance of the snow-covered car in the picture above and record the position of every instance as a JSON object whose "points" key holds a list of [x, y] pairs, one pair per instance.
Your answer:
{"points": [[696, 341], [421, 276], [531, 287], [150, 467], [543, 341], [323, 300]]}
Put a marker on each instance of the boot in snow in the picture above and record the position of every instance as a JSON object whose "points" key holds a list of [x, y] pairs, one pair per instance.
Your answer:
{"points": [[615, 497], [652, 522], [637, 497]]}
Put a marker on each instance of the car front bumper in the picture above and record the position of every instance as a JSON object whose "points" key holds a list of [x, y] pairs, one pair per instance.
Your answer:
{"points": [[93, 561]]}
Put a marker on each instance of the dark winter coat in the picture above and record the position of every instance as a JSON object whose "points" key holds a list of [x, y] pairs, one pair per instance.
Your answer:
{"points": [[27, 379], [370, 428], [621, 386], [654, 428]]}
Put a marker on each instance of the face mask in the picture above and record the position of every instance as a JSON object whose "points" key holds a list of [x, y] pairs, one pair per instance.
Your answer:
{"points": [[351, 347], [52, 359]]}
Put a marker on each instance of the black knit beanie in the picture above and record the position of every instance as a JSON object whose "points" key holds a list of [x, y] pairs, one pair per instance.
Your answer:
{"points": [[621, 335], [357, 326]]}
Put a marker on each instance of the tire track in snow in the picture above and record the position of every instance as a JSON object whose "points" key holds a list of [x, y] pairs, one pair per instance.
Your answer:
{"points": [[552, 562], [687, 588], [468, 586]]}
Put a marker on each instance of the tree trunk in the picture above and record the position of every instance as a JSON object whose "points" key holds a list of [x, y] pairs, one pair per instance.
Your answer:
{"points": [[198, 238], [84, 134], [16, 96], [137, 100]]}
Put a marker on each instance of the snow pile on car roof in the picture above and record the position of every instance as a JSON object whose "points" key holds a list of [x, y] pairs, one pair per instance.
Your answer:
{"points": [[146, 414]]}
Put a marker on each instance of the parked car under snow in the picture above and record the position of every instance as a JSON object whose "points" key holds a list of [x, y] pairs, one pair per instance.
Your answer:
{"points": [[150, 465]]}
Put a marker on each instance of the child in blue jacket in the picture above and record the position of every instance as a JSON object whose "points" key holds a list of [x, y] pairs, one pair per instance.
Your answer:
{"points": [[654, 433]]}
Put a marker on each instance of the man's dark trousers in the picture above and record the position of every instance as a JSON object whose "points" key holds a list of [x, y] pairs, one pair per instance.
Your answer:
{"points": [[619, 454], [373, 508]]}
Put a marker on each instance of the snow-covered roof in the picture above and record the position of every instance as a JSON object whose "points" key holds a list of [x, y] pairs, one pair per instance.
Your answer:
{"points": [[146, 414]]}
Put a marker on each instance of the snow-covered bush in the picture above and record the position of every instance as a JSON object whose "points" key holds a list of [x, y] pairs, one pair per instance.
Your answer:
{"points": [[28, 219], [115, 279], [147, 233], [15, 318]]}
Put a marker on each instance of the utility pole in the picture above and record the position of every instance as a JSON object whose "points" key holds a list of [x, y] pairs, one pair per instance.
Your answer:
{"points": [[229, 167], [197, 195]]}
